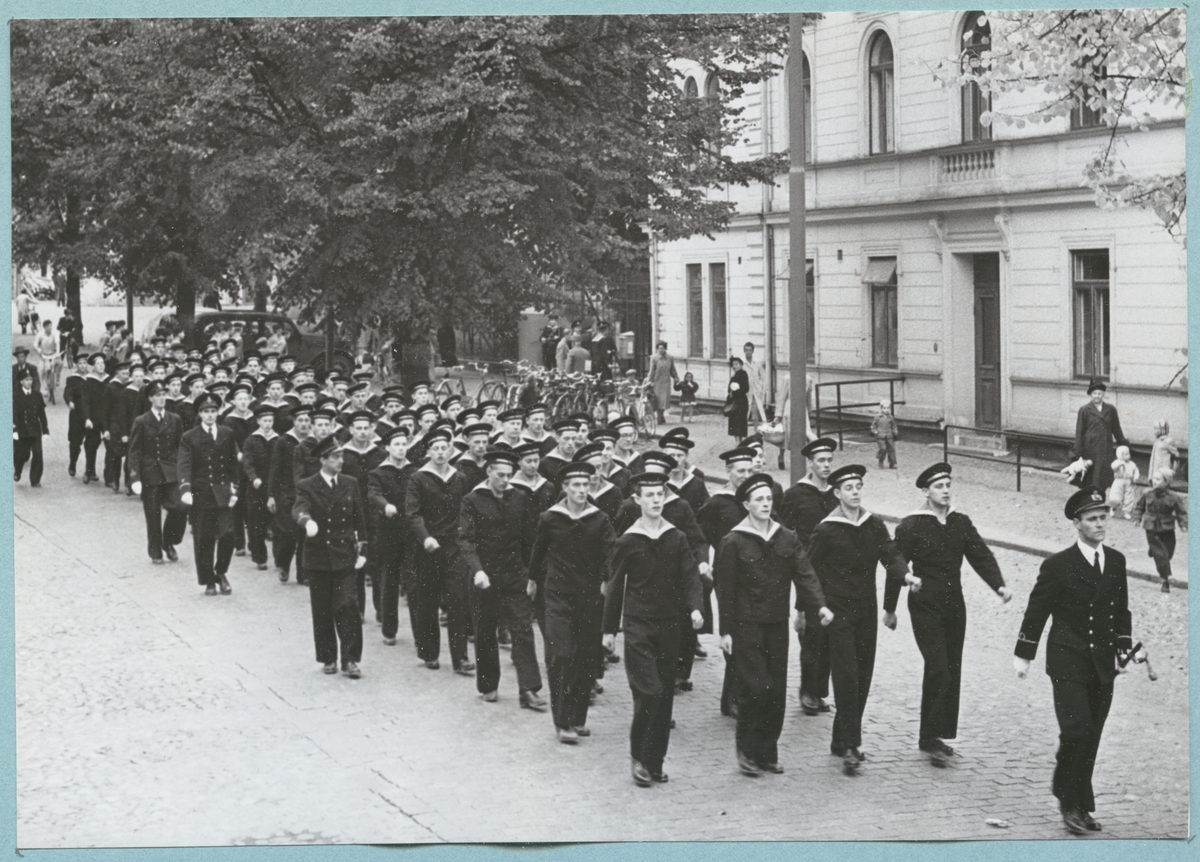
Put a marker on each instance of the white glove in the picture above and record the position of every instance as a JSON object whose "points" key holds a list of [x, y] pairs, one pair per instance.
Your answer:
{"points": [[310, 528], [232, 500], [186, 498], [697, 619], [389, 510], [481, 580], [431, 544], [705, 570], [257, 484], [136, 488], [608, 642], [16, 436], [826, 616], [271, 505], [531, 589], [359, 561], [1021, 666]]}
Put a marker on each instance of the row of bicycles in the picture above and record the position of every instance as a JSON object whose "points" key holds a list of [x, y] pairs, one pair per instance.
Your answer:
{"points": [[522, 384]]}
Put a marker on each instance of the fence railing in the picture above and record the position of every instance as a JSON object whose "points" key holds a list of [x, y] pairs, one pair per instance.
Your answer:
{"points": [[839, 406]]}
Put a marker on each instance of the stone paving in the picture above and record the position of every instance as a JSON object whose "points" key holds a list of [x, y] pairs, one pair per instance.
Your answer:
{"points": [[151, 715]]}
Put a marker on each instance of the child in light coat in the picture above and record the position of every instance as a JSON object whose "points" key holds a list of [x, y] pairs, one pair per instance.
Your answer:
{"points": [[1122, 495], [1164, 454]]}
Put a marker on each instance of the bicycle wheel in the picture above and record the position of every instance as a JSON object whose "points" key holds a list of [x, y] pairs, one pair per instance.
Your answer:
{"points": [[442, 391], [491, 390], [649, 422], [563, 406], [512, 400]]}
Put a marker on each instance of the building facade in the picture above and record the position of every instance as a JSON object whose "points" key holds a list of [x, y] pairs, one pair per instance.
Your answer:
{"points": [[970, 260]]}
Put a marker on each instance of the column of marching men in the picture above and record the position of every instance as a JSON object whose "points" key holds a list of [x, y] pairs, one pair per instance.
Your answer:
{"points": [[488, 522]]}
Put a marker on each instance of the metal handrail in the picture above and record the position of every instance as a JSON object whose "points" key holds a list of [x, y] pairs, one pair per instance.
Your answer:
{"points": [[839, 407]]}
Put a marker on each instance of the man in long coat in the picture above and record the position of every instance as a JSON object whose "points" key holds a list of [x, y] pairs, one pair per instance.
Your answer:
{"points": [[1096, 429]]}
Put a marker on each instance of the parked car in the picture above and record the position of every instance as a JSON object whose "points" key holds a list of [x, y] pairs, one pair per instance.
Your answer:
{"points": [[307, 345]]}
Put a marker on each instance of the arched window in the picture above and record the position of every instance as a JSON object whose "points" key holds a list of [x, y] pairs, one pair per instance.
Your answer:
{"points": [[806, 84], [712, 94], [882, 85], [690, 90], [976, 38]]}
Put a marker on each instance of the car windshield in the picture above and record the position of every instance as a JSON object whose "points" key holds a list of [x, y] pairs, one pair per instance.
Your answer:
{"points": [[249, 334]]}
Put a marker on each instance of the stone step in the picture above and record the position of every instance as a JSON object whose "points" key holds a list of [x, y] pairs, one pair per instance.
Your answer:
{"points": [[986, 451], [973, 440]]}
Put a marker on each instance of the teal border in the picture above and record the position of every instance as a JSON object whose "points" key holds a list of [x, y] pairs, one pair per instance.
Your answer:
{"points": [[1016, 851]]}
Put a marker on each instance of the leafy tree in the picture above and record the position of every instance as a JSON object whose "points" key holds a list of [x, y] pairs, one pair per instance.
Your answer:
{"points": [[1127, 65]]}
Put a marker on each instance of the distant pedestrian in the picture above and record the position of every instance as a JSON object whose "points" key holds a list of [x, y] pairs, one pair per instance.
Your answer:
{"points": [[29, 426], [1164, 453], [24, 309], [1157, 512], [154, 474], [551, 334], [737, 399], [1123, 493], [561, 351], [45, 345], [579, 361], [886, 432], [604, 349], [756, 374], [687, 388], [1097, 433], [660, 377], [68, 340]]}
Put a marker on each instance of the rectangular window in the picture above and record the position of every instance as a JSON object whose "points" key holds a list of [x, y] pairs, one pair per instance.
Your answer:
{"points": [[719, 314], [974, 103], [695, 311], [881, 281], [1083, 117], [810, 296], [1089, 270]]}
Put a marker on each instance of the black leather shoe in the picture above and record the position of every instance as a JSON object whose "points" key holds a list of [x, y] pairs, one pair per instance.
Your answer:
{"points": [[239, 552], [210, 590], [1075, 823], [225, 588], [1090, 822], [566, 735], [283, 576], [87, 479], [581, 732], [597, 688], [158, 561], [773, 768], [809, 705], [71, 471], [433, 664], [641, 776], [824, 706], [330, 667], [684, 685], [850, 762], [748, 766], [171, 553], [659, 777], [465, 669], [262, 567], [531, 700], [351, 670]]}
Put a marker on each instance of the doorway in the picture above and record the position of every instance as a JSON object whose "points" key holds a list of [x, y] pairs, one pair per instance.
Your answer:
{"points": [[987, 340]]}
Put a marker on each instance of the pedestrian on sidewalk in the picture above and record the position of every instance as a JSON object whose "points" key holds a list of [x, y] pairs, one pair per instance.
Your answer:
{"points": [[660, 378], [845, 550], [737, 399], [572, 553], [49, 360], [24, 309], [756, 566], [208, 480], [1164, 452], [29, 426], [655, 589], [1157, 512], [886, 432], [1085, 589], [1097, 426], [329, 509], [934, 539], [495, 537], [805, 505], [1122, 495], [154, 474], [687, 389]]}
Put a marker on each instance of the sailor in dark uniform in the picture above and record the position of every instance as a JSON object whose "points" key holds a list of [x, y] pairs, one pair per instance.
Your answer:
{"points": [[756, 565], [256, 465], [208, 480], [153, 473], [535, 429], [511, 424], [1084, 588], [935, 538], [387, 492], [281, 492], [655, 586], [472, 463], [94, 412], [688, 483], [608, 468], [627, 438], [572, 551], [360, 456], [805, 505], [602, 494], [567, 432], [543, 493], [329, 509]]}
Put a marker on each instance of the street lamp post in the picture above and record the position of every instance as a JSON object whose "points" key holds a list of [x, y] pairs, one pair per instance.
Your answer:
{"points": [[797, 266]]}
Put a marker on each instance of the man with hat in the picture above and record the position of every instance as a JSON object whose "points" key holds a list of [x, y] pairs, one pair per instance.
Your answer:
{"points": [[330, 511], [1096, 428], [421, 394], [572, 550], [241, 420], [602, 493], [451, 407], [114, 447], [495, 534], [94, 411], [387, 491], [305, 463], [686, 480], [194, 387], [273, 397], [425, 415], [360, 456], [281, 492], [757, 563], [489, 410], [472, 463], [73, 398], [608, 468], [535, 428], [432, 506], [1084, 588], [567, 433], [154, 474], [625, 450], [511, 423], [716, 518], [208, 479], [22, 366], [934, 539], [655, 588], [805, 505], [756, 443], [122, 410], [542, 492], [256, 465], [846, 548], [29, 426]]}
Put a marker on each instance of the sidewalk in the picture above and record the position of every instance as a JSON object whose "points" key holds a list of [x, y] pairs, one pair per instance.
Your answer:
{"points": [[1029, 521]]}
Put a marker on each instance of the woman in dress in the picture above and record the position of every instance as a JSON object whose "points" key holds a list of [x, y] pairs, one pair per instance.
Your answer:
{"points": [[737, 399]]}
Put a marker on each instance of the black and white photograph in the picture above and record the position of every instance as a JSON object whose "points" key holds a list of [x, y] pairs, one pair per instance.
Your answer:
{"points": [[600, 428]]}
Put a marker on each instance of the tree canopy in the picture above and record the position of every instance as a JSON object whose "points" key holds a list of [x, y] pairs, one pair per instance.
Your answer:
{"points": [[425, 170]]}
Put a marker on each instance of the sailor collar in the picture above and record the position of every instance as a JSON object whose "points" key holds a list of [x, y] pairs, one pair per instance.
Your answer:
{"points": [[724, 489], [483, 486], [688, 476], [260, 433], [291, 432], [428, 468], [640, 529], [804, 480], [518, 479], [744, 526], [557, 452], [562, 507], [605, 487], [349, 448], [837, 517], [925, 511]]}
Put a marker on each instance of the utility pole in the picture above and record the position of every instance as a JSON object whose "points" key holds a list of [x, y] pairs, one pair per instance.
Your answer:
{"points": [[797, 267]]}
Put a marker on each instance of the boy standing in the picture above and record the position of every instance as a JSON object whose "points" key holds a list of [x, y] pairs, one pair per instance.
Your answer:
{"points": [[886, 433], [1157, 511]]}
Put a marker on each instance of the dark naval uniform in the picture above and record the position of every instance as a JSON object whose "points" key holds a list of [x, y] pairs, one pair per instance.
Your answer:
{"points": [[656, 584], [256, 464], [937, 610], [242, 427], [208, 469], [329, 559], [73, 396], [542, 495], [716, 518], [393, 550], [359, 465], [93, 407], [154, 461], [282, 489]]}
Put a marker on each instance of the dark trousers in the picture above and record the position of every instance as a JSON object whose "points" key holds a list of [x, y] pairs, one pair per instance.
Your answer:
{"points": [[651, 648], [158, 533], [506, 605], [114, 458], [939, 622], [390, 575], [814, 657], [239, 517], [852, 663], [28, 449], [212, 529], [285, 536], [1162, 549], [75, 435], [440, 578], [91, 444], [335, 618], [760, 655], [887, 449], [1082, 708], [729, 686], [572, 641], [257, 518]]}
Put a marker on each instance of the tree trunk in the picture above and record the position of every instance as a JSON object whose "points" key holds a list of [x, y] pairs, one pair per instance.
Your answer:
{"points": [[71, 236], [261, 294], [185, 305]]}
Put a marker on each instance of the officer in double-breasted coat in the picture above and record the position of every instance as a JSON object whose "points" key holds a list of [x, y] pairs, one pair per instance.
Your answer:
{"points": [[153, 473]]}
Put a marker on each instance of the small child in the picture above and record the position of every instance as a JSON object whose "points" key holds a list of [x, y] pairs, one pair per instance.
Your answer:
{"points": [[1157, 511], [1164, 454], [687, 388], [886, 432], [1122, 495]]}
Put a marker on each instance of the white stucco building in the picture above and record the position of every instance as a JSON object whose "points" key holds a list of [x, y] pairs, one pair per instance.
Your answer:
{"points": [[974, 262]]}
